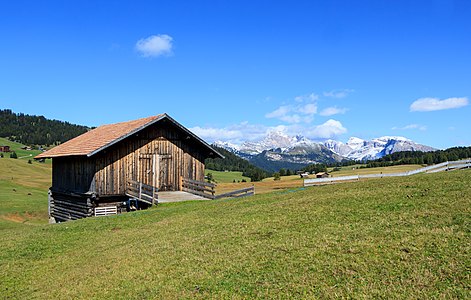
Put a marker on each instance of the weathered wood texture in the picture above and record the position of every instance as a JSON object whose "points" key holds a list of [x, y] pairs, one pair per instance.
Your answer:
{"points": [[205, 189], [142, 192], [64, 206], [157, 156], [73, 174], [200, 188]]}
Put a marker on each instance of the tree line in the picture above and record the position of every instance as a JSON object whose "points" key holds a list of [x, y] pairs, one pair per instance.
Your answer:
{"points": [[421, 158], [401, 158], [36, 130]]}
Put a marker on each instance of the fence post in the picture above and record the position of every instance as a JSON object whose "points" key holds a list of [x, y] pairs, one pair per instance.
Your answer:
{"points": [[180, 183], [153, 195], [140, 190]]}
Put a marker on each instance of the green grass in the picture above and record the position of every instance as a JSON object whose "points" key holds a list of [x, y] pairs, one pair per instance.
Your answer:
{"points": [[23, 187], [389, 238], [227, 177], [355, 170]]}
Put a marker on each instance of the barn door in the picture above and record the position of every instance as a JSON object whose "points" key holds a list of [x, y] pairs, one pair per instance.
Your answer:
{"points": [[165, 174], [155, 170], [146, 169]]}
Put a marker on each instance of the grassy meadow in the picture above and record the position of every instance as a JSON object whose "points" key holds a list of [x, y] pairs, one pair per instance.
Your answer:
{"points": [[23, 188], [356, 170], [227, 177], [22, 154], [392, 238]]}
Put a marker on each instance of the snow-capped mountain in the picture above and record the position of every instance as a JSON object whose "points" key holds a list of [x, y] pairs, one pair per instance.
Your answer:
{"points": [[338, 147], [359, 149], [273, 140], [278, 149]]}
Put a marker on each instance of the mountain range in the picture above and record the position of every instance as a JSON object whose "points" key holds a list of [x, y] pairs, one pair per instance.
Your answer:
{"points": [[279, 150]]}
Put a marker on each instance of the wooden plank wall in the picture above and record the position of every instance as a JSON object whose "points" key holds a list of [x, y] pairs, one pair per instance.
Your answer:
{"points": [[132, 159], [73, 174], [107, 172]]}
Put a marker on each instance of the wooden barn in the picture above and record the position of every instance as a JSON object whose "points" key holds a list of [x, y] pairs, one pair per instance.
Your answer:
{"points": [[109, 165], [322, 175], [4, 148]]}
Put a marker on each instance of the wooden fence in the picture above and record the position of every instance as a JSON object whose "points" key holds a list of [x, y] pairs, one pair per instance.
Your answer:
{"points": [[142, 192], [200, 188], [106, 211], [206, 190], [237, 193], [446, 166]]}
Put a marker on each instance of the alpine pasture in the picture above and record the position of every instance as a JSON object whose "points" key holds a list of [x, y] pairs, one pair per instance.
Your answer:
{"points": [[405, 237]]}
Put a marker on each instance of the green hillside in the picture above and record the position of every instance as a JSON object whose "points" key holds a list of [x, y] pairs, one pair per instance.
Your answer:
{"points": [[397, 238], [227, 177], [23, 188], [16, 147], [232, 162]]}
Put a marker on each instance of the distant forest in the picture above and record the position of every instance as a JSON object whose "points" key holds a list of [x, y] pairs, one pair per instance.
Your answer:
{"points": [[421, 158], [232, 162], [36, 130]]}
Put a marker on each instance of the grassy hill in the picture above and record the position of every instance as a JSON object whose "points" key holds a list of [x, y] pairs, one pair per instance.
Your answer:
{"points": [[16, 147], [403, 237], [227, 177], [23, 188]]}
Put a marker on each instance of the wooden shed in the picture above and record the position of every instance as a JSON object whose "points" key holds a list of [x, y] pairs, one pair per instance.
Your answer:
{"points": [[4, 148], [105, 165], [322, 175]]}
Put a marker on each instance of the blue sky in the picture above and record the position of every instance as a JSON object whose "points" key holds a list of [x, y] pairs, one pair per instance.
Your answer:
{"points": [[234, 70]]}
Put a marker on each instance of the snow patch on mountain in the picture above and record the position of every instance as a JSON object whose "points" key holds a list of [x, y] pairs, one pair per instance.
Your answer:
{"points": [[278, 146]]}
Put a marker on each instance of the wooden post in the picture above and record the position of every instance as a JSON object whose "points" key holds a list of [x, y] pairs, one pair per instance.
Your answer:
{"points": [[180, 183], [157, 170], [140, 190], [154, 158], [49, 196]]}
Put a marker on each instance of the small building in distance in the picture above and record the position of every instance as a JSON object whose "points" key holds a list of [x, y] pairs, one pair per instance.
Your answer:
{"points": [[97, 168], [4, 148], [322, 175], [304, 175]]}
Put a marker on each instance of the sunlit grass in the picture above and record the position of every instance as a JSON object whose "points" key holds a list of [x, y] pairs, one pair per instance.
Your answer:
{"points": [[397, 238]]}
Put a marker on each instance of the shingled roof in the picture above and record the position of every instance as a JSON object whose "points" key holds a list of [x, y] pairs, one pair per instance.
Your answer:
{"points": [[104, 136]]}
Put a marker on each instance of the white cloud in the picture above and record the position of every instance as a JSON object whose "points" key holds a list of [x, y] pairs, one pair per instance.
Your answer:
{"points": [[216, 133], [301, 111], [155, 45], [239, 133], [236, 133], [309, 109], [411, 126], [294, 113], [433, 104], [330, 111], [279, 112], [311, 97], [327, 130], [338, 93]]}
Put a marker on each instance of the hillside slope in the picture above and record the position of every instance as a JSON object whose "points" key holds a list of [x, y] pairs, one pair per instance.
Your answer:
{"points": [[395, 238], [36, 130], [23, 188]]}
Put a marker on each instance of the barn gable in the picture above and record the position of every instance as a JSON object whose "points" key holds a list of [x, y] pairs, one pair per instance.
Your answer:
{"points": [[100, 138]]}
